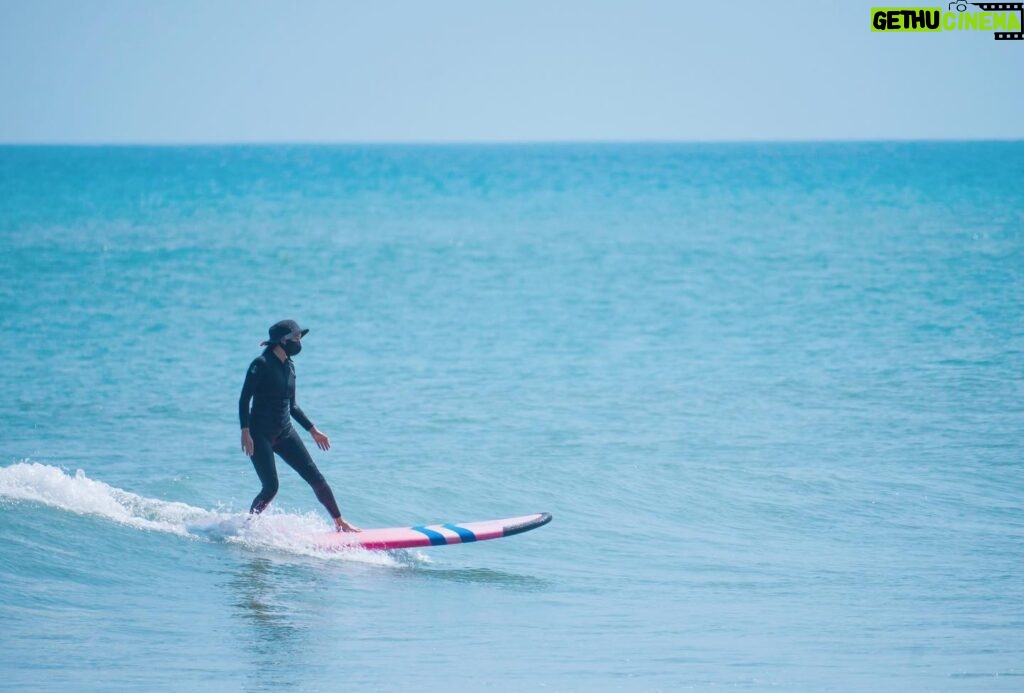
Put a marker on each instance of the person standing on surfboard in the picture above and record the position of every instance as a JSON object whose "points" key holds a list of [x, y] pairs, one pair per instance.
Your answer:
{"points": [[270, 384]]}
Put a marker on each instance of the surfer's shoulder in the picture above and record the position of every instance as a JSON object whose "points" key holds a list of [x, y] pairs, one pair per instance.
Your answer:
{"points": [[258, 364]]}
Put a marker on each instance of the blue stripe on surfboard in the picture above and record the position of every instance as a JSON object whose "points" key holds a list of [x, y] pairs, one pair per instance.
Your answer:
{"points": [[464, 534], [436, 538]]}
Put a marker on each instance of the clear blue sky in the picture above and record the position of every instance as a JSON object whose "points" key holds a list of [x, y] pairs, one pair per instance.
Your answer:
{"points": [[157, 71]]}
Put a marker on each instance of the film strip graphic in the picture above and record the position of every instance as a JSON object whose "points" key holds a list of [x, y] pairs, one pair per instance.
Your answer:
{"points": [[1004, 6]]}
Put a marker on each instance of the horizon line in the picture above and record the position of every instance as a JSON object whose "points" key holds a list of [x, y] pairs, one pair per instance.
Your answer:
{"points": [[500, 143]]}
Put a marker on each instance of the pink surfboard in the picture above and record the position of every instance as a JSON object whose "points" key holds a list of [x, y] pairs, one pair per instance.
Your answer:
{"points": [[431, 535]]}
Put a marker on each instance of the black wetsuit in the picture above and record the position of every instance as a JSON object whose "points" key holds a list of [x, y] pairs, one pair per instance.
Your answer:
{"points": [[270, 384]]}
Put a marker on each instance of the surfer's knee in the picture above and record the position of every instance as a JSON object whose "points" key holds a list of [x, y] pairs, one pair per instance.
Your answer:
{"points": [[269, 490]]}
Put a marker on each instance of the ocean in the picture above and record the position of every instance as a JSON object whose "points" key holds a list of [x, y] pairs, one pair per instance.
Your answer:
{"points": [[771, 393]]}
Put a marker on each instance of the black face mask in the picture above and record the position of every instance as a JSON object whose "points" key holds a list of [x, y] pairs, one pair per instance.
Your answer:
{"points": [[291, 347]]}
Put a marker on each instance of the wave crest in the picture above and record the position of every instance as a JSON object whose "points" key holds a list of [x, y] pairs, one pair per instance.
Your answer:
{"points": [[77, 493]]}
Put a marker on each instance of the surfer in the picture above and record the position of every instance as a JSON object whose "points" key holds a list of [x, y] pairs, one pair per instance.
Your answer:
{"points": [[270, 384]]}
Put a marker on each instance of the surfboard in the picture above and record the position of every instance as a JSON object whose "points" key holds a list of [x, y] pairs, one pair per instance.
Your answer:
{"points": [[431, 535]]}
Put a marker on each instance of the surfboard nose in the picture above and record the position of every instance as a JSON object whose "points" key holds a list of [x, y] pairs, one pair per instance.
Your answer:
{"points": [[538, 520]]}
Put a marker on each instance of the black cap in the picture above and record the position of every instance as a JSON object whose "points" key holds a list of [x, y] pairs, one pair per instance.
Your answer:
{"points": [[283, 329]]}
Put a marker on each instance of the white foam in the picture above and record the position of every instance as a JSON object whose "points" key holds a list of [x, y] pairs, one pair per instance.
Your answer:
{"points": [[30, 481], [293, 533], [279, 531]]}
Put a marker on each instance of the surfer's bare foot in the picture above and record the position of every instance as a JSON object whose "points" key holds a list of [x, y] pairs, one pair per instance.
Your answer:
{"points": [[342, 526]]}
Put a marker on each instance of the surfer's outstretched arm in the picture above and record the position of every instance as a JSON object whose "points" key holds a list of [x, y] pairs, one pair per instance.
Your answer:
{"points": [[252, 377], [322, 441]]}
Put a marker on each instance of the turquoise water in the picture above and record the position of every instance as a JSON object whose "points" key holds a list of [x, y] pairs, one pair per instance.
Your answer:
{"points": [[772, 395]]}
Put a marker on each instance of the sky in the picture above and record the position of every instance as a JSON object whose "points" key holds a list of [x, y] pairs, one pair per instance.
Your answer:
{"points": [[222, 71]]}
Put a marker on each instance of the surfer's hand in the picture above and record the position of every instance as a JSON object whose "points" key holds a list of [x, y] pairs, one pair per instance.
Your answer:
{"points": [[247, 446], [342, 526], [322, 441]]}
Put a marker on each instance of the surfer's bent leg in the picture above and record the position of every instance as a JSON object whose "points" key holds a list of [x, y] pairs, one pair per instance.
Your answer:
{"points": [[290, 448], [263, 460]]}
